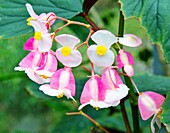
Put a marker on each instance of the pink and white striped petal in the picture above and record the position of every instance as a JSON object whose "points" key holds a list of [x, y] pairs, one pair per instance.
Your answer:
{"points": [[63, 79], [67, 40], [111, 78], [93, 89], [130, 40], [101, 61], [124, 58], [73, 60], [149, 103], [104, 37], [30, 44]]}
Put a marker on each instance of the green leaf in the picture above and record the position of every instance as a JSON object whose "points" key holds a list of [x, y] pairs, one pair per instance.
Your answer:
{"points": [[13, 14], [165, 116], [159, 84], [155, 17]]}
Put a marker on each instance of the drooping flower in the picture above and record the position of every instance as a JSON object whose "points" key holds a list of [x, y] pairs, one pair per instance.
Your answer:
{"points": [[115, 89], [125, 59], [100, 54], [67, 54], [61, 83], [149, 104], [93, 93], [46, 19], [42, 38], [130, 40], [39, 66]]}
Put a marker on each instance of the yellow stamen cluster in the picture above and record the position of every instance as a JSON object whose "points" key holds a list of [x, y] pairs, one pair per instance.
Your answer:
{"points": [[60, 96], [28, 21], [101, 50], [97, 108], [66, 51], [37, 36], [44, 77]]}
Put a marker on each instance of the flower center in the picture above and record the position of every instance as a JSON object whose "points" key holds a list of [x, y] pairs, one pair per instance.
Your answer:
{"points": [[101, 50], [59, 96], [28, 21], [66, 51], [37, 36]]}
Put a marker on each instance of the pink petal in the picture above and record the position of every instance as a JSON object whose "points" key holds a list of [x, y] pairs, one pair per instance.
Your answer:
{"points": [[73, 60], [149, 103], [63, 79], [39, 26], [51, 16], [111, 78], [30, 45], [129, 70], [93, 89], [67, 40], [130, 40], [27, 61]]}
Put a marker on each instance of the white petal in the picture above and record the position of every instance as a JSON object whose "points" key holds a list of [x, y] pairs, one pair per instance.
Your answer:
{"points": [[104, 37], [101, 61], [67, 40], [99, 104], [45, 73], [83, 105], [50, 91], [130, 40], [38, 26], [73, 60], [129, 70], [67, 93], [19, 69], [45, 43], [114, 96], [31, 11]]}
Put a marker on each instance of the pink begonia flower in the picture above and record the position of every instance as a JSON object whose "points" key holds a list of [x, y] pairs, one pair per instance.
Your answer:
{"points": [[130, 40], [149, 104], [93, 93], [42, 38], [61, 83], [67, 54], [125, 59], [39, 66], [43, 18], [115, 89], [100, 54]]}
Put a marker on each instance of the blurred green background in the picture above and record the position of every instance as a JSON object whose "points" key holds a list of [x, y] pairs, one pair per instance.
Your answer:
{"points": [[23, 110]]}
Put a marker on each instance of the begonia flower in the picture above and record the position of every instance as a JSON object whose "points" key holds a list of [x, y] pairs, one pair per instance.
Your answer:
{"points": [[130, 40], [100, 54], [67, 54], [93, 93], [61, 83], [42, 38], [115, 89], [125, 59], [39, 66], [43, 18], [149, 104]]}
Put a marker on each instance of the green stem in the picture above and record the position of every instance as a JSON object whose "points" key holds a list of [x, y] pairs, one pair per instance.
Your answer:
{"points": [[132, 96], [122, 106]]}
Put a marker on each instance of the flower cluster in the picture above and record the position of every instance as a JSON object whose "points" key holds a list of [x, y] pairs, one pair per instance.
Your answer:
{"points": [[100, 91]]}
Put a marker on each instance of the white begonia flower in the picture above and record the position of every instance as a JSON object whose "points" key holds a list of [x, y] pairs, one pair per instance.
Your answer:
{"points": [[100, 54], [67, 54]]}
